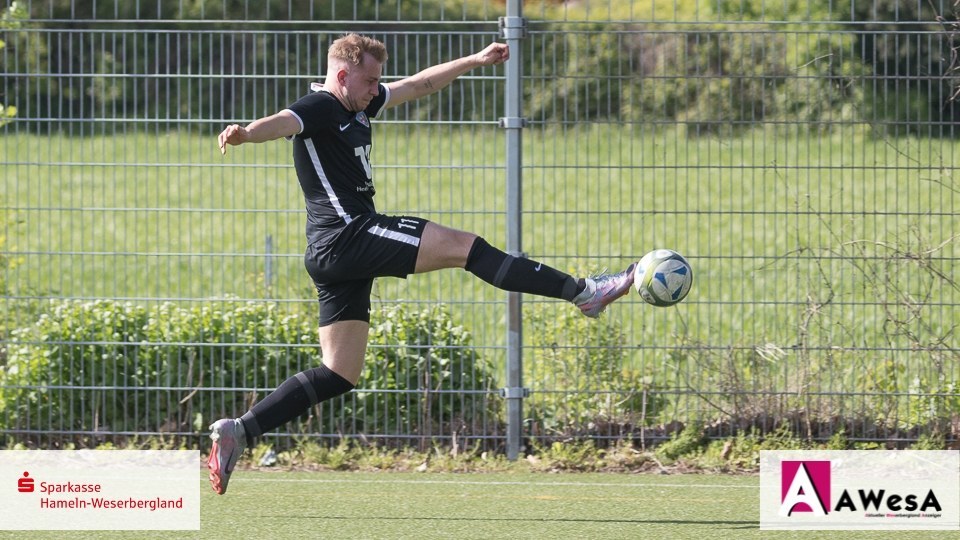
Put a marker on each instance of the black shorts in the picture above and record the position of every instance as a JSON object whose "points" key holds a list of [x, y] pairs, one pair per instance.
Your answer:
{"points": [[344, 264]]}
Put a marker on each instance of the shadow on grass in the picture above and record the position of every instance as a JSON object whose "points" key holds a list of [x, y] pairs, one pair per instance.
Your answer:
{"points": [[746, 524]]}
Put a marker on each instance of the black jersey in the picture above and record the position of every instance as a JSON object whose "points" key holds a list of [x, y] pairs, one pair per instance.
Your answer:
{"points": [[332, 158]]}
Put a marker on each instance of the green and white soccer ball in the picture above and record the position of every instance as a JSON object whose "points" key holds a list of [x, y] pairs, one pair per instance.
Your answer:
{"points": [[663, 277]]}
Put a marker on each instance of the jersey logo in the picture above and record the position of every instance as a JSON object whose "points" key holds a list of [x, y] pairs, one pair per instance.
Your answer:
{"points": [[345, 126], [362, 118]]}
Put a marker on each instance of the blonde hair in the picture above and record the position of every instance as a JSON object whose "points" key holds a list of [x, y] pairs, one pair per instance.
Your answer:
{"points": [[350, 48]]}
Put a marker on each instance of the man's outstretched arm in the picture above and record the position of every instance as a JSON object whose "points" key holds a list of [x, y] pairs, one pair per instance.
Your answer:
{"points": [[268, 128], [434, 78]]}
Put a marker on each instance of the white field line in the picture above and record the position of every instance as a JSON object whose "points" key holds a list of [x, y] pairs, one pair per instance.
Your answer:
{"points": [[260, 478]]}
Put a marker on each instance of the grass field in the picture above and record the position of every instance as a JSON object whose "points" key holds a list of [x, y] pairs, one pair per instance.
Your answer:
{"points": [[433, 505], [165, 215], [147, 216]]}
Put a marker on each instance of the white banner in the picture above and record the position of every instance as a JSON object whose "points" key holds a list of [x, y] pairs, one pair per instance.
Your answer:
{"points": [[860, 489], [99, 490]]}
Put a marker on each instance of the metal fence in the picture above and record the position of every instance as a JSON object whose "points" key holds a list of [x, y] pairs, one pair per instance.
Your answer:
{"points": [[800, 155]]}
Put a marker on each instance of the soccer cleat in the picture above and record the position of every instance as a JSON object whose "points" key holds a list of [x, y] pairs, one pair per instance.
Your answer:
{"points": [[229, 441], [602, 290]]}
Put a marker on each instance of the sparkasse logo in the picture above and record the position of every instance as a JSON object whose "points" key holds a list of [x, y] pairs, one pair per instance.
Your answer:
{"points": [[25, 484], [99, 490]]}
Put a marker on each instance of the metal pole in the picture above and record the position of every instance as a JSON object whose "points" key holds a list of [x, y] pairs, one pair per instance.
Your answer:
{"points": [[512, 29]]}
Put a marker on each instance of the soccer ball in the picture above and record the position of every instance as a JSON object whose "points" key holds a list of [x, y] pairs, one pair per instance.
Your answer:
{"points": [[663, 277]]}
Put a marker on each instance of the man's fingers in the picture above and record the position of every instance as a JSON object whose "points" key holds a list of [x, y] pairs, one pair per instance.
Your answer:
{"points": [[224, 137], [498, 53]]}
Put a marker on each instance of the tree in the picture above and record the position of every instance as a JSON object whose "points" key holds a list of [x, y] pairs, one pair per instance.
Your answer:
{"points": [[9, 19], [911, 55]]}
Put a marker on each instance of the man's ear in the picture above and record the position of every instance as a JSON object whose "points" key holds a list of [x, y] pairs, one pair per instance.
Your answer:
{"points": [[342, 76]]}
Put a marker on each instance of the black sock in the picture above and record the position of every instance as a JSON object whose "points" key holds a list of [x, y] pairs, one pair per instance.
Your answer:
{"points": [[291, 399], [520, 275]]}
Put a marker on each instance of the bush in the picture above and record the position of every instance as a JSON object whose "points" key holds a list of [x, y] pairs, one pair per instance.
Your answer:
{"points": [[154, 85], [716, 79], [452, 389], [107, 366], [100, 367], [581, 362], [910, 47], [688, 442]]}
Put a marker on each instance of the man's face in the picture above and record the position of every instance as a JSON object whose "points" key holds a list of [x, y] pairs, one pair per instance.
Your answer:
{"points": [[361, 83]]}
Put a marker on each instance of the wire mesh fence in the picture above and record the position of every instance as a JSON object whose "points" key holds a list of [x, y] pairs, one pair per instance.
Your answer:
{"points": [[800, 155]]}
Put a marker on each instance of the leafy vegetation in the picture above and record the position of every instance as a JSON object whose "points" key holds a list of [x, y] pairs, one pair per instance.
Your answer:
{"points": [[712, 81], [91, 367], [794, 62], [10, 18], [581, 379]]}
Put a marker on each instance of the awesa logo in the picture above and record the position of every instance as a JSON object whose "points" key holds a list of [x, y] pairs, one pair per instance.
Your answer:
{"points": [[805, 487]]}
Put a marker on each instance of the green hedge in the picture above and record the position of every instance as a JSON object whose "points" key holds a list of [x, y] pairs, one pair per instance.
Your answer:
{"points": [[86, 367]]}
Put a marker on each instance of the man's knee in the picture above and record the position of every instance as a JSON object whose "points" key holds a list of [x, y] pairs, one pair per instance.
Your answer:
{"points": [[442, 247], [344, 345]]}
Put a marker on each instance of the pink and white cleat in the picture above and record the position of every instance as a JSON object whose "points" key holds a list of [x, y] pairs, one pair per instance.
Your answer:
{"points": [[602, 290], [229, 441]]}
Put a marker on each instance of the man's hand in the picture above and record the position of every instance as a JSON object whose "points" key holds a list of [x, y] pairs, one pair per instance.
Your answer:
{"points": [[234, 134], [268, 128], [495, 53]]}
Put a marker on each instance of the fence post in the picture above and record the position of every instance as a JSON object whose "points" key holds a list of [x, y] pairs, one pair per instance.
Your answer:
{"points": [[512, 30]]}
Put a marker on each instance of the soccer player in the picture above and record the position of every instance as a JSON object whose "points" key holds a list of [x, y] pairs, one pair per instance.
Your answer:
{"points": [[349, 243]]}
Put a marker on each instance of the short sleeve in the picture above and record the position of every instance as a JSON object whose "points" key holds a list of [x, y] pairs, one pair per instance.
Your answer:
{"points": [[311, 110]]}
